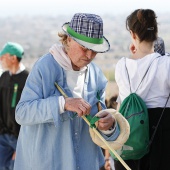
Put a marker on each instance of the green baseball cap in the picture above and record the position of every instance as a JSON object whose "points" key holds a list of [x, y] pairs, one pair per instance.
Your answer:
{"points": [[12, 49]]}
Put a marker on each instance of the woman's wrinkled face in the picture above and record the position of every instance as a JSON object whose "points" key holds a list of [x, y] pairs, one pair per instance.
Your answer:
{"points": [[79, 55]]}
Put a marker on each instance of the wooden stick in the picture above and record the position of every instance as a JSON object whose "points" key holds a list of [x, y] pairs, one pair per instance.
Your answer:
{"points": [[105, 142], [97, 133]]}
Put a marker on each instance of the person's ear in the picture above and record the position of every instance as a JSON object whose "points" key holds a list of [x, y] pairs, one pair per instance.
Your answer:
{"points": [[69, 39]]}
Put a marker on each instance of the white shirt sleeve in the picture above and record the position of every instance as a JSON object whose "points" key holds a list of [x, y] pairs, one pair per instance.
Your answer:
{"points": [[61, 104]]}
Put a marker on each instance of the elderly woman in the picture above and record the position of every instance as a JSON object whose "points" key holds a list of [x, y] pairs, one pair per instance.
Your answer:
{"points": [[53, 135]]}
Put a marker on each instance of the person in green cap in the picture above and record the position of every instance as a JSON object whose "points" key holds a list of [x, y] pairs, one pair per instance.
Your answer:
{"points": [[12, 82]]}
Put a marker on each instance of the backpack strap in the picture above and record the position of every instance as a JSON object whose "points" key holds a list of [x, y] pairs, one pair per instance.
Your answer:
{"points": [[143, 76], [128, 76], [153, 135]]}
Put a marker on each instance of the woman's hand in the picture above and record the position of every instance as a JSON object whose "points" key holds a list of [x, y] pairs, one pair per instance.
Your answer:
{"points": [[78, 105], [107, 165], [106, 120]]}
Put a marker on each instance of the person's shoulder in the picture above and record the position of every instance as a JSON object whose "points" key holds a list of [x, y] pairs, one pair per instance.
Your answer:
{"points": [[4, 74], [165, 58], [45, 58], [46, 65], [120, 62], [164, 61], [26, 72]]}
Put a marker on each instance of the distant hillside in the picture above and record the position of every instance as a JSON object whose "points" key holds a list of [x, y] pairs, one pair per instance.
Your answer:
{"points": [[37, 34]]}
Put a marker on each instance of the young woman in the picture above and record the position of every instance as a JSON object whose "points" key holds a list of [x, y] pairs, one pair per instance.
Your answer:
{"points": [[154, 89]]}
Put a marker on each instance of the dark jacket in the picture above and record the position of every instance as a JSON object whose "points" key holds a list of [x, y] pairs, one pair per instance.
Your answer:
{"points": [[11, 87]]}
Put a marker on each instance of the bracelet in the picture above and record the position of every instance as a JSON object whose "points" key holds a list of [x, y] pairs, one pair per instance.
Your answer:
{"points": [[107, 159]]}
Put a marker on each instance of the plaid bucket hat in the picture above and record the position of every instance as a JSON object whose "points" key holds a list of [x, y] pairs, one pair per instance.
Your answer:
{"points": [[159, 46], [87, 30]]}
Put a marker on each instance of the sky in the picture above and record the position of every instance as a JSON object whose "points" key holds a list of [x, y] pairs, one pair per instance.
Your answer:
{"points": [[69, 7]]}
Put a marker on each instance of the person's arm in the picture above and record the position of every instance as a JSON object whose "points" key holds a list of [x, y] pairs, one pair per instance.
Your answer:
{"points": [[39, 102], [107, 165], [118, 106], [34, 107], [107, 125], [14, 155]]}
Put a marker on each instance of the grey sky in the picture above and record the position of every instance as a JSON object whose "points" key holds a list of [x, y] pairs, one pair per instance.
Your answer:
{"points": [[64, 7]]}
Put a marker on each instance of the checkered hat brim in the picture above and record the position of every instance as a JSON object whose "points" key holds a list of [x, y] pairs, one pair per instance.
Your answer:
{"points": [[87, 30]]}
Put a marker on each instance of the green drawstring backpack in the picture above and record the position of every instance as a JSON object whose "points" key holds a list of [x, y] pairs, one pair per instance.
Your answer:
{"points": [[134, 109]]}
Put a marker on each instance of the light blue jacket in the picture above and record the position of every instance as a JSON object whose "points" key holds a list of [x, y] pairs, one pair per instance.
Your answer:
{"points": [[49, 140]]}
